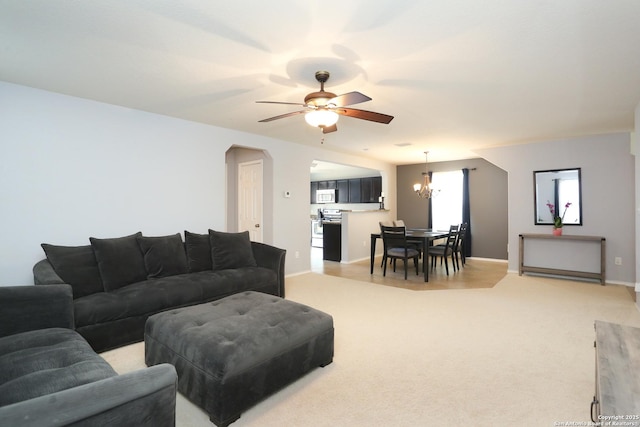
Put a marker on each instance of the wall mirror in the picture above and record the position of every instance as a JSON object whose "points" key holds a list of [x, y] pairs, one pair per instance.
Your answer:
{"points": [[553, 190]]}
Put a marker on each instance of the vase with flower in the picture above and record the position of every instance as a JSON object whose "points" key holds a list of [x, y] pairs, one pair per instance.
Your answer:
{"points": [[557, 220]]}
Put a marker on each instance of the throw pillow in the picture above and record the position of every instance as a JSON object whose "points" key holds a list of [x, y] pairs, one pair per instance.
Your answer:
{"points": [[198, 251], [120, 261], [163, 256], [231, 250], [77, 266]]}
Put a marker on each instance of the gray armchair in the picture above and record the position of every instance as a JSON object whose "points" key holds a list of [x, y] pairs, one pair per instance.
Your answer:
{"points": [[50, 376]]}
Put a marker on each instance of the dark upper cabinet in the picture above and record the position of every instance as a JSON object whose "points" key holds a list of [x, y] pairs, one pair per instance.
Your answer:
{"points": [[370, 189], [343, 191], [327, 185], [354, 190], [366, 189], [314, 189], [376, 187]]}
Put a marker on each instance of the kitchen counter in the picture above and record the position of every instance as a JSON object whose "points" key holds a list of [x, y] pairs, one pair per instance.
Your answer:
{"points": [[357, 227], [365, 211]]}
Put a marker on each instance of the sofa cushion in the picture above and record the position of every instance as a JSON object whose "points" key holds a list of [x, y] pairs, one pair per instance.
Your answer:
{"points": [[155, 295], [77, 266], [120, 261], [236, 280], [163, 256], [231, 250], [198, 251], [45, 361]]}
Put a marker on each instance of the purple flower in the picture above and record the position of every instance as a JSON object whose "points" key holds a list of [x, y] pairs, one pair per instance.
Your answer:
{"points": [[557, 220]]}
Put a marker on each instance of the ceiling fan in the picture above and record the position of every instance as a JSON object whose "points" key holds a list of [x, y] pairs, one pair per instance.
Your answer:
{"points": [[322, 109]]}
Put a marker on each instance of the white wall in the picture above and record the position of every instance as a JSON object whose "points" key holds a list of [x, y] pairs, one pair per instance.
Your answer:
{"points": [[608, 194], [72, 168]]}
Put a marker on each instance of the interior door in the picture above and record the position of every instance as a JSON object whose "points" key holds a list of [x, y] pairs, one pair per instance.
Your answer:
{"points": [[250, 195]]}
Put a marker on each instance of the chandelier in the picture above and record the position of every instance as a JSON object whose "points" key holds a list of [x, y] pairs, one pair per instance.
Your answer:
{"points": [[425, 190]]}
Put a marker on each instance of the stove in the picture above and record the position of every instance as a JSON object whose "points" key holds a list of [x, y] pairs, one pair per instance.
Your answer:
{"points": [[325, 216], [331, 215]]}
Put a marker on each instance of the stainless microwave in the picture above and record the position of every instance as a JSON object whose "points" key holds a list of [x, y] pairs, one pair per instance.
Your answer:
{"points": [[326, 196]]}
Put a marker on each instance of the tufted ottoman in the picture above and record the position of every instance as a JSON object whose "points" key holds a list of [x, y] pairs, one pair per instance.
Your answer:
{"points": [[233, 352]]}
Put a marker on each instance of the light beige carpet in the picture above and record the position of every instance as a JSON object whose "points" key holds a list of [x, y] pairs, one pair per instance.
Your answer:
{"points": [[520, 353]]}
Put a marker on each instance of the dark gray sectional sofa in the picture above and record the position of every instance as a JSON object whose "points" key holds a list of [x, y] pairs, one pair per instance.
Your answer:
{"points": [[119, 282], [50, 376]]}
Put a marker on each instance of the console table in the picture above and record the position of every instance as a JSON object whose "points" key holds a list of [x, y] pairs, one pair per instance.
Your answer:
{"points": [[583, 274], [617, 396]]}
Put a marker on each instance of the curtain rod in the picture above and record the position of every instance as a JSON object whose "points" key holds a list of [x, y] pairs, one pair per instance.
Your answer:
{"points": [[451, 170]]}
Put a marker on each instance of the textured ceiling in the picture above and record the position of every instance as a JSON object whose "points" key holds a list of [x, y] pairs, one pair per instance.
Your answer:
{"points": [[457, 75]]}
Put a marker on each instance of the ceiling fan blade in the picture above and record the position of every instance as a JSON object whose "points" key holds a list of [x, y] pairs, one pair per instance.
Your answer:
{"points": [[278, 102], [282, 116], [364, 115], [328, 129], [348, 99]]}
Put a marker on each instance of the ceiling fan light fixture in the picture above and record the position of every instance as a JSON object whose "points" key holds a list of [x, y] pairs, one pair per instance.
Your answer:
{"points": [[321, 118], [322, 108]]}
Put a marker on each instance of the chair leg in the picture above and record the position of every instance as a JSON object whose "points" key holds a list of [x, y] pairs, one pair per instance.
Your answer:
{"points": [[384, 267], [446, 264], [405, 268]]}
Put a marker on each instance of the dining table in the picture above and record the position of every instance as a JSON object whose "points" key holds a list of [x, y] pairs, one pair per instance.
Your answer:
{"points": [[424, 235]]}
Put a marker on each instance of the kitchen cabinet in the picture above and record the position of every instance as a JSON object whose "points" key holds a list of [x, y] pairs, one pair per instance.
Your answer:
{"points": [[353, 190], [332, 241], [343, 191], [314, 190], [370, 189], [327, 185]]}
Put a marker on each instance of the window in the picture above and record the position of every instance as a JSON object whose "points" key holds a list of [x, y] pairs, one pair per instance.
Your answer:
{"points": [[447, 204]]}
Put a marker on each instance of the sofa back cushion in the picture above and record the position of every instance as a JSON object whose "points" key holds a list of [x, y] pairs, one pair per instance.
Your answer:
{"points": [[77, 266], [163, 256], [120, 261], [198, 251], [231, 250]]}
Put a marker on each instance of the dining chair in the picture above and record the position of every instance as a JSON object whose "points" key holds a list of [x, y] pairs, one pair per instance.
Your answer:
{"points": [[415, 244], [396, 247], [385, 224], [458, 248], [445, 250]]}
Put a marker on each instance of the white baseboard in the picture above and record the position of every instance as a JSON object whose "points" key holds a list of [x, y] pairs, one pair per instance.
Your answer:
{"points": [[299, 273]]}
